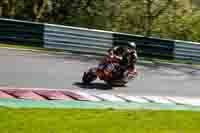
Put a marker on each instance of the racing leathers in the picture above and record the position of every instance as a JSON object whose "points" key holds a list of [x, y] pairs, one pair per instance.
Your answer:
{"points": [[119, 62]]}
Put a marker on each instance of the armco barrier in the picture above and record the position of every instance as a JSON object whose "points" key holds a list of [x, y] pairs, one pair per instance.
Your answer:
{"points": [[187, 51], [151, 47], [21, 32], [90, 41], [98, 42], [77, 39]]}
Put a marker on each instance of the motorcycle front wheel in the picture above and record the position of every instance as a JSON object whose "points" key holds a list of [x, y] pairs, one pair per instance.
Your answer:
{"points": [[89, 76]]}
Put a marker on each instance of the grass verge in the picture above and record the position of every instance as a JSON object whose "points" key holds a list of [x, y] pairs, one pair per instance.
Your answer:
{"points": [[97, 121]]}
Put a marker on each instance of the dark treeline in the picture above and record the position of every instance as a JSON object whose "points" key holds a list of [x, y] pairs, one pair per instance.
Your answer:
{"points": [[174, 19]]}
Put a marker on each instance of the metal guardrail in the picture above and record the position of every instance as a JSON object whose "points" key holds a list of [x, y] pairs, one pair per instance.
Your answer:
{"points": [[150, 47], [189, 51], [77, 39], [21, 32], [91, 41]]}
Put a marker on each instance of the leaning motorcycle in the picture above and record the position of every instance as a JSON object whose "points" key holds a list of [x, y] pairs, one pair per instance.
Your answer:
{"points": [[111, 76]]}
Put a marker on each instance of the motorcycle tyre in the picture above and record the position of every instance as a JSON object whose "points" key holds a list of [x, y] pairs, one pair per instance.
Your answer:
{"points": [[88, 78]]}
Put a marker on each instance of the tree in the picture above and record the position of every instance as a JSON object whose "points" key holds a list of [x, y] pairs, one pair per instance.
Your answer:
{"points": [[84, 13], [154, 9], [35, 9], [140, 15], [7, 8], [175, 19], [178, 22]]}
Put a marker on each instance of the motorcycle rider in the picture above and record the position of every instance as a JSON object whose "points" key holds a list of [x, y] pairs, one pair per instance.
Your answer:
{"points": [[120, 61], [128, 60], [123, 58]]}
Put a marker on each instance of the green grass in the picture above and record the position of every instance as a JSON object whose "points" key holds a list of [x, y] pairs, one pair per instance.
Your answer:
{"points": [[97, 121]]}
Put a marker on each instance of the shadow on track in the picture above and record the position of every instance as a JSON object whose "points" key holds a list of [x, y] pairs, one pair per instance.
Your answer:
{"points": [[99, 86]]}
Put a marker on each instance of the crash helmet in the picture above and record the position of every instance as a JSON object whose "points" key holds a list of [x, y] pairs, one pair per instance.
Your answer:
{"points": [[131, 45]]}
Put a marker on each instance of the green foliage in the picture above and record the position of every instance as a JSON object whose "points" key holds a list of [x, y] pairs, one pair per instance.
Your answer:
{"points": [[174, 19], [131, 17]]}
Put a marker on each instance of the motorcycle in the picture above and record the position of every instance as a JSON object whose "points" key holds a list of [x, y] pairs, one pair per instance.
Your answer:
{"points": [[112, 75]]}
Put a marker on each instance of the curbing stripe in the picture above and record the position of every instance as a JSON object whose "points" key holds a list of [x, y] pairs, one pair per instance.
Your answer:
{"points": [[53, 95], [158, 99], [87, 96], [5, 95], [24, 94], [120, 101], [21, 103], [185, 101], [133, 98], [110, 97], [80, 96]]}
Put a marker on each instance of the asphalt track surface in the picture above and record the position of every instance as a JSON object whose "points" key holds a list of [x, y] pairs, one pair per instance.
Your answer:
{"points": [[28, 69]]}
